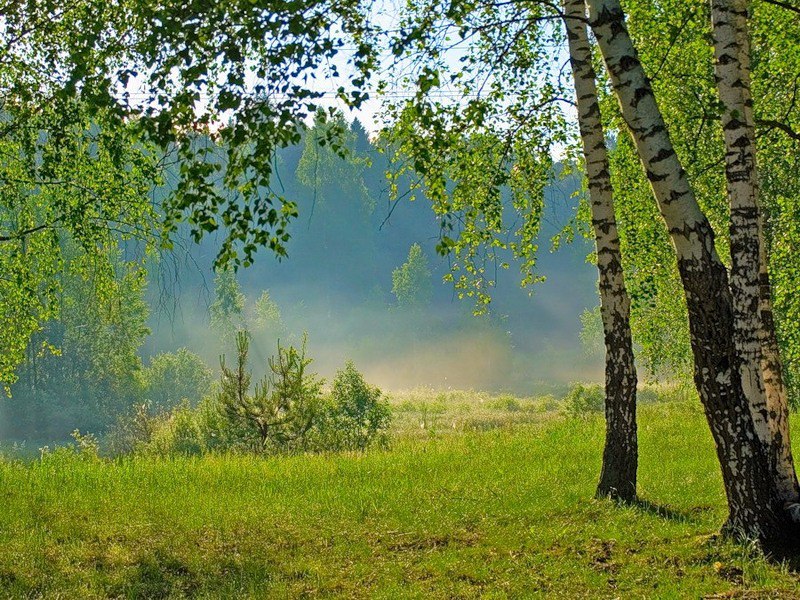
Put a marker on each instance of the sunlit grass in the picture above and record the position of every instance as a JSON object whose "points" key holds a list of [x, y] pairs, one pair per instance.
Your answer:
{"points": [[505, 512]]}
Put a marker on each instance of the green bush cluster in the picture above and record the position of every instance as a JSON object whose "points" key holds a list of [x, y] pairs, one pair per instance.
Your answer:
{"points": [[172, 377], [286, 411], [584, 399], [354, 416]]}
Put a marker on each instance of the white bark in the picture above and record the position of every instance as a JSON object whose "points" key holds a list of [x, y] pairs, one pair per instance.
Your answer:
{"points": [[752, 499], [754, 327], [618, 477]]}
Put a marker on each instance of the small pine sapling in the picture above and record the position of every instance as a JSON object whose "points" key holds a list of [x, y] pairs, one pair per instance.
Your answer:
{"points": [[284, 404]]}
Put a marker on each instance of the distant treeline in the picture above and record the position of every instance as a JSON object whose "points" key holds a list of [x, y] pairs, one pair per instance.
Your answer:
{"points": [[342, 282]]}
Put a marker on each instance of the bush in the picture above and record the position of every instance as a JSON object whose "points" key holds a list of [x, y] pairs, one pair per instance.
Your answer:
{"points": [[584, 399], [175, 376], [131, 431], [187, 439], [506, 403], [86, 448], [355, 416], [548, 403], [284, 412], [649, 395]]}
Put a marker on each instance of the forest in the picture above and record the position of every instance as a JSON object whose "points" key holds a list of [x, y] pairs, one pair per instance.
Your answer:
{"points": [[338, 298]]}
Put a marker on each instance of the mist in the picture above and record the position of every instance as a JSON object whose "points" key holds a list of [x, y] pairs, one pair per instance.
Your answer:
{"points": [[340, 296], [336, 290]]}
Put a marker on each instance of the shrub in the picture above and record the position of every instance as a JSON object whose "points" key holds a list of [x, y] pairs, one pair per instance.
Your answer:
{"points": [[220, 433], [131, 431], [649, 395], [175, 376], [506, 403], [548, 403], [87, 446], [355, 416], [85, 449], [584, 399], [187, 438]]}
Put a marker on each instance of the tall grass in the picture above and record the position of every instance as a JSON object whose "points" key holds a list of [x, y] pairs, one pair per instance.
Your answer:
{"points": [[506, 512]]}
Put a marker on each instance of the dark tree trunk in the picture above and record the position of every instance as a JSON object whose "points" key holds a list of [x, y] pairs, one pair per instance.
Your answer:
{"points": [[621, 452], [620, 455]]}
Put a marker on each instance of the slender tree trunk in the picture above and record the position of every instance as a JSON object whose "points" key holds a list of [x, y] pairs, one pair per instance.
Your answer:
{"points": [[754, 508], [750, 287], [740, 172], [620, 455]]}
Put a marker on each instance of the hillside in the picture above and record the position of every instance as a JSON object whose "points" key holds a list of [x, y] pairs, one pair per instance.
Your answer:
{"points": [[336, 284]]}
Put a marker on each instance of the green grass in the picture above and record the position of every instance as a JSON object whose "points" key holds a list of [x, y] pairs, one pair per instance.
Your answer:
{"points": [[505, 512]]}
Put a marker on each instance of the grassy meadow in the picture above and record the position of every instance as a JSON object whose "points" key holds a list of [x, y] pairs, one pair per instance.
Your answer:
{"points": [[475, 496]]}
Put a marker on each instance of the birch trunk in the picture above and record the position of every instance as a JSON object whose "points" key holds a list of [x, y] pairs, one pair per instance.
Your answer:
{"points": [[620, 455], [754, 508], [752, 300]]}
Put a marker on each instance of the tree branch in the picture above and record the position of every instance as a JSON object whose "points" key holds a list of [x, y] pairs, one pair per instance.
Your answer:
{"points": [[784, 5], [795, 135]]}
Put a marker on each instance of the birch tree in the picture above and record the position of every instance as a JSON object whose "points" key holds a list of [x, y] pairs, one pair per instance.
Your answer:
{"points": [[674, 46], [620, 454], [755, 510], [755, 335]]}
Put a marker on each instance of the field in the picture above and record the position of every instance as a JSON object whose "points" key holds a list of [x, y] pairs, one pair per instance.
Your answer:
{"points": [[475, 497]]}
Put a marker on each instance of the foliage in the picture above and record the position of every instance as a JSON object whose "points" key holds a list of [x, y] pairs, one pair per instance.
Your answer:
{"points": [[477, 128], [584, 399], [131, 431], [672, 40], [176, 433], [228, 307], [355, 416], [101, 101], [592, 336], [96, 330], [172, 377], [247, 65], [68, 200], [411, 282], [337, 203], [285, 412], [507, 403], [267, 314], [328, 171], [86, 445], [85, 448], [283, 406]]}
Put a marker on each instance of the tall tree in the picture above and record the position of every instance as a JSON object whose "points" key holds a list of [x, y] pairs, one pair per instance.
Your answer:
{"points": [[227, 311], [755, 509], [520, 107], [411, 281], [755, 334], [620, 455], [220, 87]]}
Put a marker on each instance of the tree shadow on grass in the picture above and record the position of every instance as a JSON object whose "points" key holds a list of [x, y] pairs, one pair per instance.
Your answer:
{"points": [[159, 575], [665, 512], [786, 552]]}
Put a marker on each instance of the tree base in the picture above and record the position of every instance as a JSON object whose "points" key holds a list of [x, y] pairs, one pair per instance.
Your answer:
{"points": [[625, 493]]}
